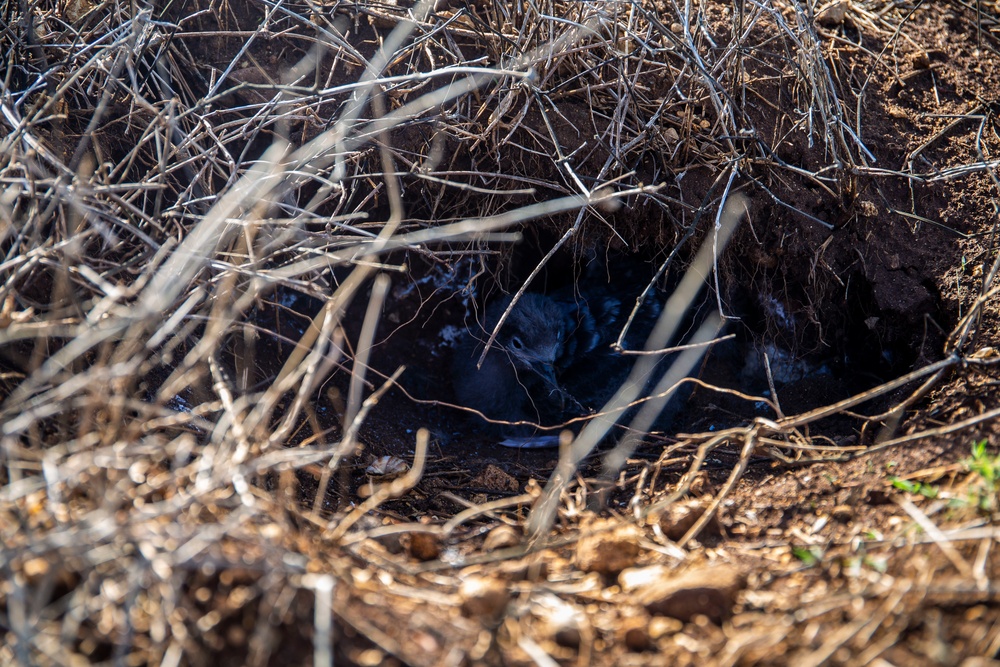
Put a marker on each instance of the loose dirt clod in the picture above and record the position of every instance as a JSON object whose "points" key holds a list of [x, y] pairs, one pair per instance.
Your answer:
{"points": [[483, 596], [423, 546], [607, 547], [502, 537], [240, 242], [679, 518], [708, 591]]}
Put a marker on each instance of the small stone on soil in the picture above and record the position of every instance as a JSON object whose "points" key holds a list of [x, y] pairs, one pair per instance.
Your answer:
{"points": [[502, 537], [678, 519], [483, 597], [424, 546], [710, 591], [608, 551]]}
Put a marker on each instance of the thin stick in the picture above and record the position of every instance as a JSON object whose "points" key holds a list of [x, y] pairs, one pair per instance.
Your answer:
{"points": [[393, 489]]}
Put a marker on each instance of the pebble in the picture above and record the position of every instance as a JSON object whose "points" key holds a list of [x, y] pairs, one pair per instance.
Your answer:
{"points": [[709, 591], [608, 550]]}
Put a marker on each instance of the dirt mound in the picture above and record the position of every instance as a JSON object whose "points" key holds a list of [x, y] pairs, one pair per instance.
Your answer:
{"points": [[242, 241]]}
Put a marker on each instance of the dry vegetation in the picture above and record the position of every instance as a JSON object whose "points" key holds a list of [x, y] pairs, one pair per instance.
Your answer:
{"points": [[183, 471]]}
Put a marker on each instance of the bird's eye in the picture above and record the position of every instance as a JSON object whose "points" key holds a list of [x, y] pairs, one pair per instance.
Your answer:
{"points": [[516, 343]]}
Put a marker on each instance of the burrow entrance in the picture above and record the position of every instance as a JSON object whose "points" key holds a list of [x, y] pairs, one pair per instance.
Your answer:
{"points": [[825, 336]]}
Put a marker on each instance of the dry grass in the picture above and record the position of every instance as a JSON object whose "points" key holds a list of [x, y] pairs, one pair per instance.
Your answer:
{"points": [[164, 173]]}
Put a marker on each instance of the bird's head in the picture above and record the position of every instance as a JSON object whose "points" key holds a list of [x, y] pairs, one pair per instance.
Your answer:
{"points": [[533, 335]]}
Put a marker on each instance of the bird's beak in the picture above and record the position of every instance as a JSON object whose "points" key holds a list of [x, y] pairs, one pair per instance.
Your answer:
{"points": [[547, 372]]}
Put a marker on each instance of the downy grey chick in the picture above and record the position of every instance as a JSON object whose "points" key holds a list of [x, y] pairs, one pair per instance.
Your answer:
{"points": [[518, 378], [551, 361]]}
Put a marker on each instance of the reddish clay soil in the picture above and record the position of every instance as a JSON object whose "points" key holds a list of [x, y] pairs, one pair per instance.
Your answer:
{"points": [[818, 553], [872, 293]]}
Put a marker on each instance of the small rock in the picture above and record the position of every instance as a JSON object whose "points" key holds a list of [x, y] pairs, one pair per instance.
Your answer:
{"points": [[832, 15], [608, 550], [867, 209], [524, 569], [678, 518], [709, 591], [373, 657], [559, 619], [34, 569], [634, 578], [483, 597], [502, 537], [660, 626], [425, 641], [973, 614], [495, 478], [921, 59], [424, 546]]}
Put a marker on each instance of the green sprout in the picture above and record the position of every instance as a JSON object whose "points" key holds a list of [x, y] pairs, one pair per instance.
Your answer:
{"points": [[983, 495], [810, 556], [915, 488]]}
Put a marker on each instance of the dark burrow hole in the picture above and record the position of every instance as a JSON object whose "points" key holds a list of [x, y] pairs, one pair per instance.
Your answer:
{"points": [[429, 305]]}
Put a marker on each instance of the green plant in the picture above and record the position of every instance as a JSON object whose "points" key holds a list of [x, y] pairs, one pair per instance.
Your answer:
{"points": [[983, 494], [987, 465], [855, 565], [810, 556], [916, 488]]}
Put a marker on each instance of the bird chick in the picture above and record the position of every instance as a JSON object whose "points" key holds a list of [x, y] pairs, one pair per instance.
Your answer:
{"points": [[553, 359], [518, 378]]}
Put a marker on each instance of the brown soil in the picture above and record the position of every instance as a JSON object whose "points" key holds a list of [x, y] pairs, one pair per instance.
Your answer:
{"points": [[860, 260]]}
